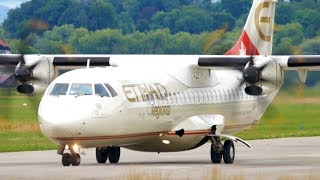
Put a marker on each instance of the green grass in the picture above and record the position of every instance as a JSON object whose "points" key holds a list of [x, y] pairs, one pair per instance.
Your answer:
{"points": [[291, 114], [24, 141], [19, 130]]}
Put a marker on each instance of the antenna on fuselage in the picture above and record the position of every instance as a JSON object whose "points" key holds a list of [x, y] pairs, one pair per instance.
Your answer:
{"points": [[88, 63]]}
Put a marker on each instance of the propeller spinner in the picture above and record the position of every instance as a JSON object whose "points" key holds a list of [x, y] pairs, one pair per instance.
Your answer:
{"points": [[252, 74]]}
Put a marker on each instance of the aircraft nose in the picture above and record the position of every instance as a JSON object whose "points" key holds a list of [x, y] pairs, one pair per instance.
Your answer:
{"points": [[62, 120]]}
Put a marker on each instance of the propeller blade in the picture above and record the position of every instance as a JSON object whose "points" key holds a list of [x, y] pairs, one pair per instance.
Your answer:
{"points": [[33, 66], [263, 67], [251, 62]]}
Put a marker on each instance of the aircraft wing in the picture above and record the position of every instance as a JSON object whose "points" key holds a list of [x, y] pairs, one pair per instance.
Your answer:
{"points": [[56, 60], [301, 63], [298, 62], [295, 62]]}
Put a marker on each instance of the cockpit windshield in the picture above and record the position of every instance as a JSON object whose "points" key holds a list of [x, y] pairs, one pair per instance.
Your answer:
{"points": [[80, 89], [101, 91], [60, 89]]}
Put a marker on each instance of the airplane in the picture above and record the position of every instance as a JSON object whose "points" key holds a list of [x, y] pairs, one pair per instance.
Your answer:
{"points": [[159, 103]]}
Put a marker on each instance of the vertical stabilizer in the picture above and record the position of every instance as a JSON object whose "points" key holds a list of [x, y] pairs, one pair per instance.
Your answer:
{"points": [[257, 35]]}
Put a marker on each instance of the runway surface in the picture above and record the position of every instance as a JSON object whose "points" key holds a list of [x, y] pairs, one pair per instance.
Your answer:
{"points": [[291, 158]]}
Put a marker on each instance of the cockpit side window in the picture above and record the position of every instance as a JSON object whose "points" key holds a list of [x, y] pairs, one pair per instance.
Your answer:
{"points": [[111, 90], [79, 89], [59, 89], [101, 90]]}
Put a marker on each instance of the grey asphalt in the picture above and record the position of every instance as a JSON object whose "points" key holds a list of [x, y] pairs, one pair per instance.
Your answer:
{"points": [[290, 158]]}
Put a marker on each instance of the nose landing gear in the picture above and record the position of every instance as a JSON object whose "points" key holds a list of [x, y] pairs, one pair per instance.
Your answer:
{"points": [[71, 158], [74, 159]]}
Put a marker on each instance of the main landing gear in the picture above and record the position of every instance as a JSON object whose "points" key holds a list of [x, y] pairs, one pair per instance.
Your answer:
{"points": [[227, 151], [103, 153]]}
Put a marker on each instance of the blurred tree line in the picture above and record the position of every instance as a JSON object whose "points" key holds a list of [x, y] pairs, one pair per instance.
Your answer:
{"points": [[153, 27]]}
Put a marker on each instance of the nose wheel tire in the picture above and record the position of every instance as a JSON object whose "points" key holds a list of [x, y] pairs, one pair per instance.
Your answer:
{"points": [[73, 159], [114, 154], [66, 159], [228, 152], [101, 154]]}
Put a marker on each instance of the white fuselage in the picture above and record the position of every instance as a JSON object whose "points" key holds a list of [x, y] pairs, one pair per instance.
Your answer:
{"points": [[150, 106]]}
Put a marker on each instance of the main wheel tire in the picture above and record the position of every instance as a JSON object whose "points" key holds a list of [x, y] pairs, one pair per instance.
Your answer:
{"points": [[75, 159], [66, 159], [114, 154], [228, 152], [215, 157], [101, 155]]}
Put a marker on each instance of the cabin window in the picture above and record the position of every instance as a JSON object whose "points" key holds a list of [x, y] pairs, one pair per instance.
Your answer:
{"points": [[214, 96], [181, 98], [197, 97], [210, 96], [111, 90], [187, 95], [60, 89], [100, 90], [174, 99], [201, 97], [206, 96], [224, 95], [170, 98], [219, 95], [79, 89]]}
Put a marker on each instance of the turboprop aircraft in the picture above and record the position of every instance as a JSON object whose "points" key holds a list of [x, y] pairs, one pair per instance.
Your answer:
{"points": [[159, 103], [169, 103]]}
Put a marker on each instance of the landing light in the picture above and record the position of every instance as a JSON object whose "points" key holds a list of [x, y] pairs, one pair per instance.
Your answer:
{"points": [[165, 142], [75, 147]]}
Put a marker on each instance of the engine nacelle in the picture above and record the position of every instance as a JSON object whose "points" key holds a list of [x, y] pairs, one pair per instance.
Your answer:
{"points": [[28, 89], [35, 75]]}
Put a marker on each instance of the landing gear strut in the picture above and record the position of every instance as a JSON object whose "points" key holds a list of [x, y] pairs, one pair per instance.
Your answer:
{"points": [[227, 150], [103, 153]]}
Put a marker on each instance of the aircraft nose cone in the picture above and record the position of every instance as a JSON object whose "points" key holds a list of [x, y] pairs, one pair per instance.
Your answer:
{"points": [[61, 120]]}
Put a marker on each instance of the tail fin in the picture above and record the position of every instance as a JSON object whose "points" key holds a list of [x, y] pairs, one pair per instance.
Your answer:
{"points": [[257, 35], [4, 48]]}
